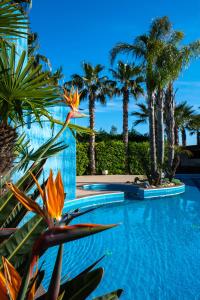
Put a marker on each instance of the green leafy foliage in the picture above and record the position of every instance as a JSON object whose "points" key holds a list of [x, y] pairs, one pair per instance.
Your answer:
{"points": [[176, 181], [18, 247], [139, 161], [9, 206], [82, 159], [111, 156], [13, 23], [23, 88]]}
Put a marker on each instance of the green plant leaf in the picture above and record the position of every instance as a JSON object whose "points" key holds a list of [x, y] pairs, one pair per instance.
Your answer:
{"points": [[13, 23], [5, 233], [80, 288], [54, 286], [111, 296], [20, 244], [9, 206]]}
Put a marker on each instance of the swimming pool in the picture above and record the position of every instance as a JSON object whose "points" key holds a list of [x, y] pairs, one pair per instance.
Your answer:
{"points": [[153, 254]]}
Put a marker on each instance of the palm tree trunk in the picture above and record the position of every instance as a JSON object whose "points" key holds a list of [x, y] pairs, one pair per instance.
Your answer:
{"points": [[183, 135], [92, 136], [198, 138], [152, 136], [170, 124], [176, 131], [125, 127], [160, 130]]}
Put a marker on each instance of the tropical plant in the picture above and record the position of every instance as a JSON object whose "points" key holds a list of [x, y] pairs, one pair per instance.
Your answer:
{"points": [[194, 127], [13, 23], [93, 88], [21, 246], [184, 114], [50, 228], [141, 114], [149, 47], [21, 93], [129, 79], [163, 60]]}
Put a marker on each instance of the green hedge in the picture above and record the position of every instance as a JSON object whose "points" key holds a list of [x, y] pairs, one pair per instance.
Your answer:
{"points": [[110, 156], [82, 158], [139, 158]]}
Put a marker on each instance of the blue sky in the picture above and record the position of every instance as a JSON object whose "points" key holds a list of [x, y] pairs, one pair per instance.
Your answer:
{"points": [[71, 32]]}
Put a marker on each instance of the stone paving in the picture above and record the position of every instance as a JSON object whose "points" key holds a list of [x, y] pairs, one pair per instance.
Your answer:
{"points": [[81, 180]]}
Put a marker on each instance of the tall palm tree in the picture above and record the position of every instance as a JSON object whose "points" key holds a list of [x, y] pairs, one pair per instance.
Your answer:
{"points": [[163, 60], [149, 48], [129, 79], [93, 88], [184, 118], [39, 59], [184, 115]]}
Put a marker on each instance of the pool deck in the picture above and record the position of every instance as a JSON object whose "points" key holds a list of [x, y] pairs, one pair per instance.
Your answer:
{"points": [[88, 179]]}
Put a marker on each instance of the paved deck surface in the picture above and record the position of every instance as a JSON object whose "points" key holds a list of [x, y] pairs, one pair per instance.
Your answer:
{"points": [[81, 180]]}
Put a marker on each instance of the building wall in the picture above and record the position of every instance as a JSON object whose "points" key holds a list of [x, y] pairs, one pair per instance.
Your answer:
{"points": [[64, 161]]}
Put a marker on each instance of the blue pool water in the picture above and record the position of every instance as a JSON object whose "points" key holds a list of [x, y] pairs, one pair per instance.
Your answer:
{"points": [[153, 254]]}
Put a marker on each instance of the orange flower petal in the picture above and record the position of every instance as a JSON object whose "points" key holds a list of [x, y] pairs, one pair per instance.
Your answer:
{"points": [[3, 287], [60, 193], [38, 186], [12, 277], [26, 201], [51, 203]]}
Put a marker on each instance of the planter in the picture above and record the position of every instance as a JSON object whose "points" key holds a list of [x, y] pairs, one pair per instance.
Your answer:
{"points": [[144, 193]]}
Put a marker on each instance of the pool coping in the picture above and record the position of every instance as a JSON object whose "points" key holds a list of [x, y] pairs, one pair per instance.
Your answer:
{"points": [[95, 200], [142, 193]]}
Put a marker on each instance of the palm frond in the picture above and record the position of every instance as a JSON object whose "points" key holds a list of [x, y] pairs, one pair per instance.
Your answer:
{"points": [[21, 88], [13, 23]]}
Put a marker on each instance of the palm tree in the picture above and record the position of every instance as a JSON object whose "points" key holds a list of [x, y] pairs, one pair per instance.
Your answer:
{"points": [[39, 59], [194, 127], [129, 79], [184, 119], [150, 47], [184, 114], [93, 88], [141, 115], [163, 60]]}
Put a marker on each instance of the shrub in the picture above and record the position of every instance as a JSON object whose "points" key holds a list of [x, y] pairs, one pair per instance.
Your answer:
{"points": [[176, 181], [110, 156], [82, 158], [139, 162]]}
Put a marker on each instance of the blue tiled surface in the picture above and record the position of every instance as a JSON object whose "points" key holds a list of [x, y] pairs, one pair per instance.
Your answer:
{"points": [[94, 201], [65, 161], [171, 191], [111, 187], [141, 193]]}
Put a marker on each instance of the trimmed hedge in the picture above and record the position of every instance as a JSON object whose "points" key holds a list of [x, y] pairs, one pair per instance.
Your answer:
{"points": [[82, 158], [139, 159], [111, 156]]}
